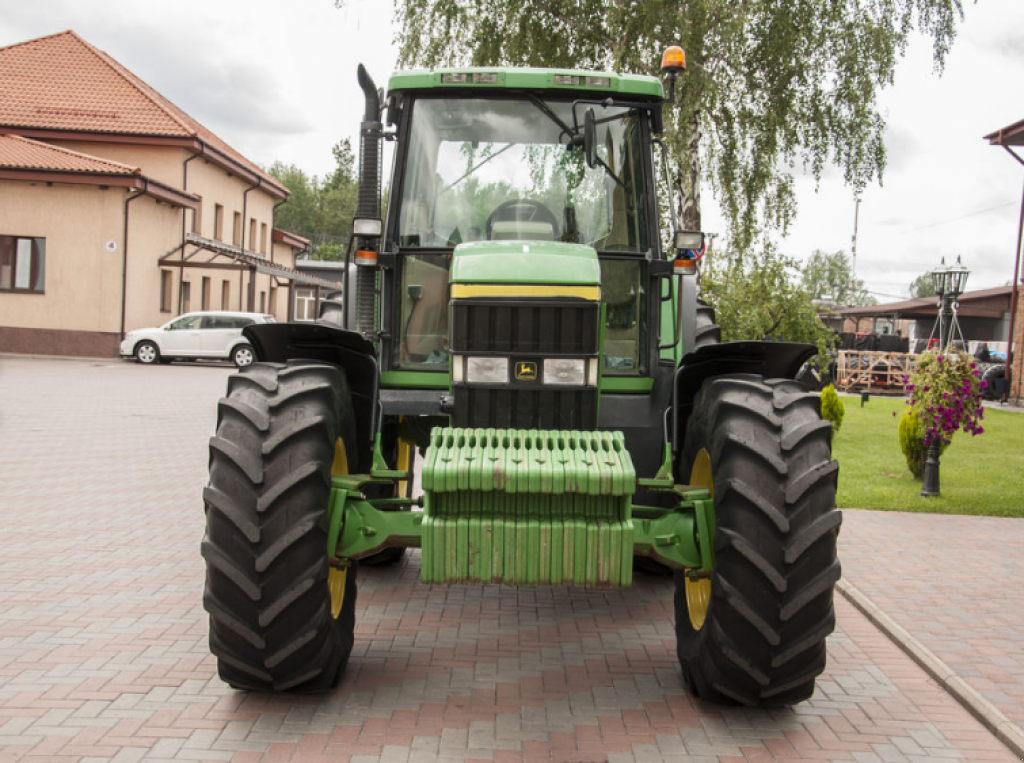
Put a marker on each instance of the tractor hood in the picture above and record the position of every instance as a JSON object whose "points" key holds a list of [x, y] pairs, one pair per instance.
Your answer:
{"points": [[532, 262]]}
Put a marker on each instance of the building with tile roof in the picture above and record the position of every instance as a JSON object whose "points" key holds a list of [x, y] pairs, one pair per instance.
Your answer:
{"points": [[118, 210]]}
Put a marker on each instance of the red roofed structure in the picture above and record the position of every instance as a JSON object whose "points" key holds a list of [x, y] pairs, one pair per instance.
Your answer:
{"points": [[118, 210]]}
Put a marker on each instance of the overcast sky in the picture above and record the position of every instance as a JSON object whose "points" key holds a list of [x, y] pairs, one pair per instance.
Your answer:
{"points": [[276, 80]]}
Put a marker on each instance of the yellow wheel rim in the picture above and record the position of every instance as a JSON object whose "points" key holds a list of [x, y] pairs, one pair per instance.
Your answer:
{"points": [[698, 592], [337, 577], [403, 465], [336, 580]]}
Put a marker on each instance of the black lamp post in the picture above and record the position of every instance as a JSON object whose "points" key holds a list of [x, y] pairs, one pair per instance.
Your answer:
{"points": [[949, 282]]}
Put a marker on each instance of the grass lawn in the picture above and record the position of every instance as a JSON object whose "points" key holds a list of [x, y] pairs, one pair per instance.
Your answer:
{"points": [[978, 475]]}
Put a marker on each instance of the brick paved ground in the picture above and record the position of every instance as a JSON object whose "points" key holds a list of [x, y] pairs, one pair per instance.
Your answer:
{"points": [[959, 588], [103, 638]]}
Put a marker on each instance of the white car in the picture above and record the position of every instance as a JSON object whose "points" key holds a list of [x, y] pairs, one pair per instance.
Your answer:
{"points": [[209, 334]]}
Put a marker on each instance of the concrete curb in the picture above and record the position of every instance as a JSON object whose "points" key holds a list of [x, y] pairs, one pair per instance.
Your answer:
{"points": [[1005, 730]]}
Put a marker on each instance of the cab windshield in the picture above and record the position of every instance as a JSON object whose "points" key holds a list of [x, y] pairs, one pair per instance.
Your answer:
{"points": [[508, 169], [514, 168]]}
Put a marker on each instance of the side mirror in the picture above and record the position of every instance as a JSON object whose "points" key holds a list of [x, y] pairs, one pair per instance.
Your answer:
{"points": [[589, 138]]}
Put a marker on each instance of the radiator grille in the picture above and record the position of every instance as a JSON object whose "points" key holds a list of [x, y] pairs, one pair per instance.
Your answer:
{"points": [[531, 328], [529, 331]]}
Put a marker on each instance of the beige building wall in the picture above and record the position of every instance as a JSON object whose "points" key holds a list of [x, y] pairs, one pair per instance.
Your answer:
{"points": [[82, 279], [79, 311], [218, 187], [161, 163], [154, 229]]}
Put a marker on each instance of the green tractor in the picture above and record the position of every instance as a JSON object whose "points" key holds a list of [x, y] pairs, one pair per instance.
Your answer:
{"points": [[517, 326]]}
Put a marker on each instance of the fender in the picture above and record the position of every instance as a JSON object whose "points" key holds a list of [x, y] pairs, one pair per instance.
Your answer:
{"points": [[326, 343], [771, 360]]}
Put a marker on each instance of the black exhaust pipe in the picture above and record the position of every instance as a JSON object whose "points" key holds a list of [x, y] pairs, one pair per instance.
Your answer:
{"points": [[367, 202]]}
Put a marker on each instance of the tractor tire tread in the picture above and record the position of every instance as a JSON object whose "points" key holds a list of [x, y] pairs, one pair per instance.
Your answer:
{"points": [[775, 545], [266, 533]]}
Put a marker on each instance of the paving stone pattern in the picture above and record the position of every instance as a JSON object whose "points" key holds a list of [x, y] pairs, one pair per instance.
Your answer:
{"points": [[958, 587], [103, 653]]}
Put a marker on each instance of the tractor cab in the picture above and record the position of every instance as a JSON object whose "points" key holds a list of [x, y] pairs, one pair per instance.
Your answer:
{"points": [[517, 271], [488, 168]]}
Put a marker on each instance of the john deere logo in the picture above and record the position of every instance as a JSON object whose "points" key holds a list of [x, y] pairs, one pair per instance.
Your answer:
{"points": [[526, 371]]}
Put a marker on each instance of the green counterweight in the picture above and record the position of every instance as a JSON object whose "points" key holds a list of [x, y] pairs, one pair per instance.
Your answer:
{"points": [[527, 507]]}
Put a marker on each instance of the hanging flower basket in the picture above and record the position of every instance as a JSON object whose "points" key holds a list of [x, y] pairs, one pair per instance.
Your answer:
{"points": [[945, 391]]}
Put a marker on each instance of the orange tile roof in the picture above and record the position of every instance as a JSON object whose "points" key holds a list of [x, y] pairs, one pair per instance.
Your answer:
{"points": [[24, 154], [24, 159], [61, 82]]}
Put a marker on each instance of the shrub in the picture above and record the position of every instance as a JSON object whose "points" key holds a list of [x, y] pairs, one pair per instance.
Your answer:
{"points": [[832, 408], [912, 441]]}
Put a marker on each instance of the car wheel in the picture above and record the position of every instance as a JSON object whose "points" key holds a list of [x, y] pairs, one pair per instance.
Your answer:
{"points": [[242, 355], [147, 353]]}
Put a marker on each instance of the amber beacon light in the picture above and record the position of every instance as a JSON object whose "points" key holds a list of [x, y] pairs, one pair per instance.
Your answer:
{"points": [[673, 61]]}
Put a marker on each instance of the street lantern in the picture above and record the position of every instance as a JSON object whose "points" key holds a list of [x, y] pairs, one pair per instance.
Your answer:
{"points": [[939, 278], [950, 279], [956, 278], [949, 282]]}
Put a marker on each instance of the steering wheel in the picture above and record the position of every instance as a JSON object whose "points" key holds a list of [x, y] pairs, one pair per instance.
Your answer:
{"points": [[525, 210]]}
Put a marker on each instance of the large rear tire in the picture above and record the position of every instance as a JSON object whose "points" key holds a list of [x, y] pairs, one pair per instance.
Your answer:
{"points": [[281, 432], [755, 632]]}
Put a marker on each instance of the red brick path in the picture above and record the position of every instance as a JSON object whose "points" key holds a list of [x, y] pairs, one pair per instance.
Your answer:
{"points": [[103, 638]]}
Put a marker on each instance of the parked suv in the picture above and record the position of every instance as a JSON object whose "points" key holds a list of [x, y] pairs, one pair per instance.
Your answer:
{"points": [[216, 335]]}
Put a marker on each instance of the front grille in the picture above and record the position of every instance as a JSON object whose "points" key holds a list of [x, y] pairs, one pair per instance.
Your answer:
{"points": [[530, 328], [528, 331]]}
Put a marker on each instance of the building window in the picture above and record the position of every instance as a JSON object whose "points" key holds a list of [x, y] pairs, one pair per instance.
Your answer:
{"points": [[225, 295], [22, 263], [218, 222], [236, 233], [263, 302], [305, 304], [197, 218], [252, 233], [263, 238], [206, 293], [166, 288], [186, 296]]}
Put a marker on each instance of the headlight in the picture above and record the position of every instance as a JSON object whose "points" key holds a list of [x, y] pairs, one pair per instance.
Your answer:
{"points": [[560, 371], [487, 370]]}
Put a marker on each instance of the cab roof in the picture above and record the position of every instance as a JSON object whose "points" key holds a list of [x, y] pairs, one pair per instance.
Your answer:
{"points": [[500, 78]]}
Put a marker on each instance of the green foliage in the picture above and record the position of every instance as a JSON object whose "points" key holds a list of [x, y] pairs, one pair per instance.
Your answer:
{"points": [[320, 209], [830, 277], [922, 287], [911, 434], [756, 297], [832, 408], [770, 87]]}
